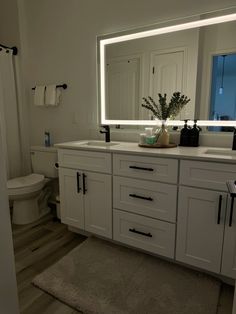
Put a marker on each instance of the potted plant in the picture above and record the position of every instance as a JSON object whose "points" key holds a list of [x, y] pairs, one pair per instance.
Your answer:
{"points": [[163, 111]]}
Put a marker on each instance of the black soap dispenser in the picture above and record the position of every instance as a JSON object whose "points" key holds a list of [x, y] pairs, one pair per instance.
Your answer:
{"points": [[194, 135], [185, 134]]}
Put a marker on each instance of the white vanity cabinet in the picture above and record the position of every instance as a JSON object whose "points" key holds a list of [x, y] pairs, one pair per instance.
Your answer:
{"points": [[204, 238], [171, 206], [86, 196], [144, 205]]}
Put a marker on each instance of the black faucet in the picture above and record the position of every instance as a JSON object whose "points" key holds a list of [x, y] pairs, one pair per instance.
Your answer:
{"points": [[106, 132], [234, 140]]}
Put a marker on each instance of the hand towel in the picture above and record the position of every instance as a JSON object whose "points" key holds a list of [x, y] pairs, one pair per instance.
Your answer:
{"points": [[52, 95], [39, 95]]}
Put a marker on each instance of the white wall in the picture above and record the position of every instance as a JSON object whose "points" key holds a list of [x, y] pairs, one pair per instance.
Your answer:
{"points": [[9, 24], [61, 47]]}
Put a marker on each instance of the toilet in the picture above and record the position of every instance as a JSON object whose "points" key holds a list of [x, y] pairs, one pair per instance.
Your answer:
{"points": [[30, 193]]}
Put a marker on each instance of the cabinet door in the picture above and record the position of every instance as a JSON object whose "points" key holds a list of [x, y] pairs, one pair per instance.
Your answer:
{"points": [[199, 233], [97, 204], [229, 249], [72, 207]]}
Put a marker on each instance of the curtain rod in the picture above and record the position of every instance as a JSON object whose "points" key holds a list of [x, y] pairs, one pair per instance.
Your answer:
{"points": [[14, 49]]}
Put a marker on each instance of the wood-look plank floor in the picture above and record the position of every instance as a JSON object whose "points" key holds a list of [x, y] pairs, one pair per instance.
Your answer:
{"points": [[39, 245]]}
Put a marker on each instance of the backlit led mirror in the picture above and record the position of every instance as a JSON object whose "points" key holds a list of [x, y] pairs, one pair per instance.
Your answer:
{"points": [[196, 58]]}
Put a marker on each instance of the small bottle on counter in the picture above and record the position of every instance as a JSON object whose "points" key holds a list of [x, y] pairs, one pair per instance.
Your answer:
{"points": [[185, 135], [142, 138], [194, 135]]}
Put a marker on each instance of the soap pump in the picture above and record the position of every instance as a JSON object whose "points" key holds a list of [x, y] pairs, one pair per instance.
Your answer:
{"points": [[194, 135], [185, 134]]}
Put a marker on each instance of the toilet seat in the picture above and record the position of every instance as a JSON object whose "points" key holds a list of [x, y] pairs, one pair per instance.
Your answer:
{"points": [[24, 185]]}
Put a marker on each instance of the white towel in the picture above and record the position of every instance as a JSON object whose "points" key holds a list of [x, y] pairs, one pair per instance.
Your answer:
{"points": [[39, 95], [52, 95]]}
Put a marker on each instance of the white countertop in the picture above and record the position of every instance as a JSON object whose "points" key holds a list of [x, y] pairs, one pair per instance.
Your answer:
{"points": [[198, 153]]}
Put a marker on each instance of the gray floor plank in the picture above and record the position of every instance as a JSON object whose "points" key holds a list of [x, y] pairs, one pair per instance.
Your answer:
{"points": [[37, 246], [226, 300]]}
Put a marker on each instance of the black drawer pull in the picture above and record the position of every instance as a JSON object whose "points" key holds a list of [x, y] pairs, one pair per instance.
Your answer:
{"points": [[219, 209], [231, 211], [78, 186], [149, 235], [84, 184], [141, 168], [141, 197]]}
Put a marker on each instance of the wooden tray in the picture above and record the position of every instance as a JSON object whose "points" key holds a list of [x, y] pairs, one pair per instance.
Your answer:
{"points": [[171, 145]]}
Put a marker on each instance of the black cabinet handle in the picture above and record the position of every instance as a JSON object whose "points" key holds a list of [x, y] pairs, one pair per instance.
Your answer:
{"points": [[149, 235], [84, 184], [141, 197], [219, 209], [78, 187], [231, 211], [141, 168]]}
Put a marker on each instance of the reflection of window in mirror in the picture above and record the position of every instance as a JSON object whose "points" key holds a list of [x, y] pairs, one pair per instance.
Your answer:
{"points": [[223, 90]]}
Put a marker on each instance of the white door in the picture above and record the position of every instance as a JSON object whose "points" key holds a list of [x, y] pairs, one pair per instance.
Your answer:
{"points": [[71, 197], [200, 228], [98, 204], [229, 249], [167, 74], [123, 95]]}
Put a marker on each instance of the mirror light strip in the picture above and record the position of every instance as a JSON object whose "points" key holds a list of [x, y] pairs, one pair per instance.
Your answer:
{"points": [[171, 122], [153, 32]]}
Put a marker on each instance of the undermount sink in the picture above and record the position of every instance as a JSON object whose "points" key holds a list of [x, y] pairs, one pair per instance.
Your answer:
{"points": [[100, 143], [221, 152]]}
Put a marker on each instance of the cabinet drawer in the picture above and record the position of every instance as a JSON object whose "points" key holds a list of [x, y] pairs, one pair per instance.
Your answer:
{"points": [[84, 160], [208, 175], [156, 200], [145, 233], [151, 168]]}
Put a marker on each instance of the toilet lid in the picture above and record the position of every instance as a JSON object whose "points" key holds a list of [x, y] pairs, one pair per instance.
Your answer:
{"points": [[26, 181]]}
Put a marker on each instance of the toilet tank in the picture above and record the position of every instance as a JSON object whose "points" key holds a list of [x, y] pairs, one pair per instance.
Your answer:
{"points": [[43, 161]]}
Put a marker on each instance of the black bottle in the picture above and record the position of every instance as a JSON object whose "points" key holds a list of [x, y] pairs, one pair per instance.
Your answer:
{"points": [[194, 135], [185, 135]]}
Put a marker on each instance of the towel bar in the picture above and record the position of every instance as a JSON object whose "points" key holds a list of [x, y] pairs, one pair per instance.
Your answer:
{"points": [[64, 86]]}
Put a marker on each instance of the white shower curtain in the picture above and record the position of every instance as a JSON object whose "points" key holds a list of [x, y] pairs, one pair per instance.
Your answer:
{"points": [[9, 117]]}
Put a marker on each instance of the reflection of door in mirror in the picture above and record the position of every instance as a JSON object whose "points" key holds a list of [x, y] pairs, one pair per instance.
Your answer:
{"points": [[122, 88], [129, 73], [167, 74], [223, 90]]}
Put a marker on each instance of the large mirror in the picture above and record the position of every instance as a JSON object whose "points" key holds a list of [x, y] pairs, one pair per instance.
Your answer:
{"points": [[197, 59]]}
